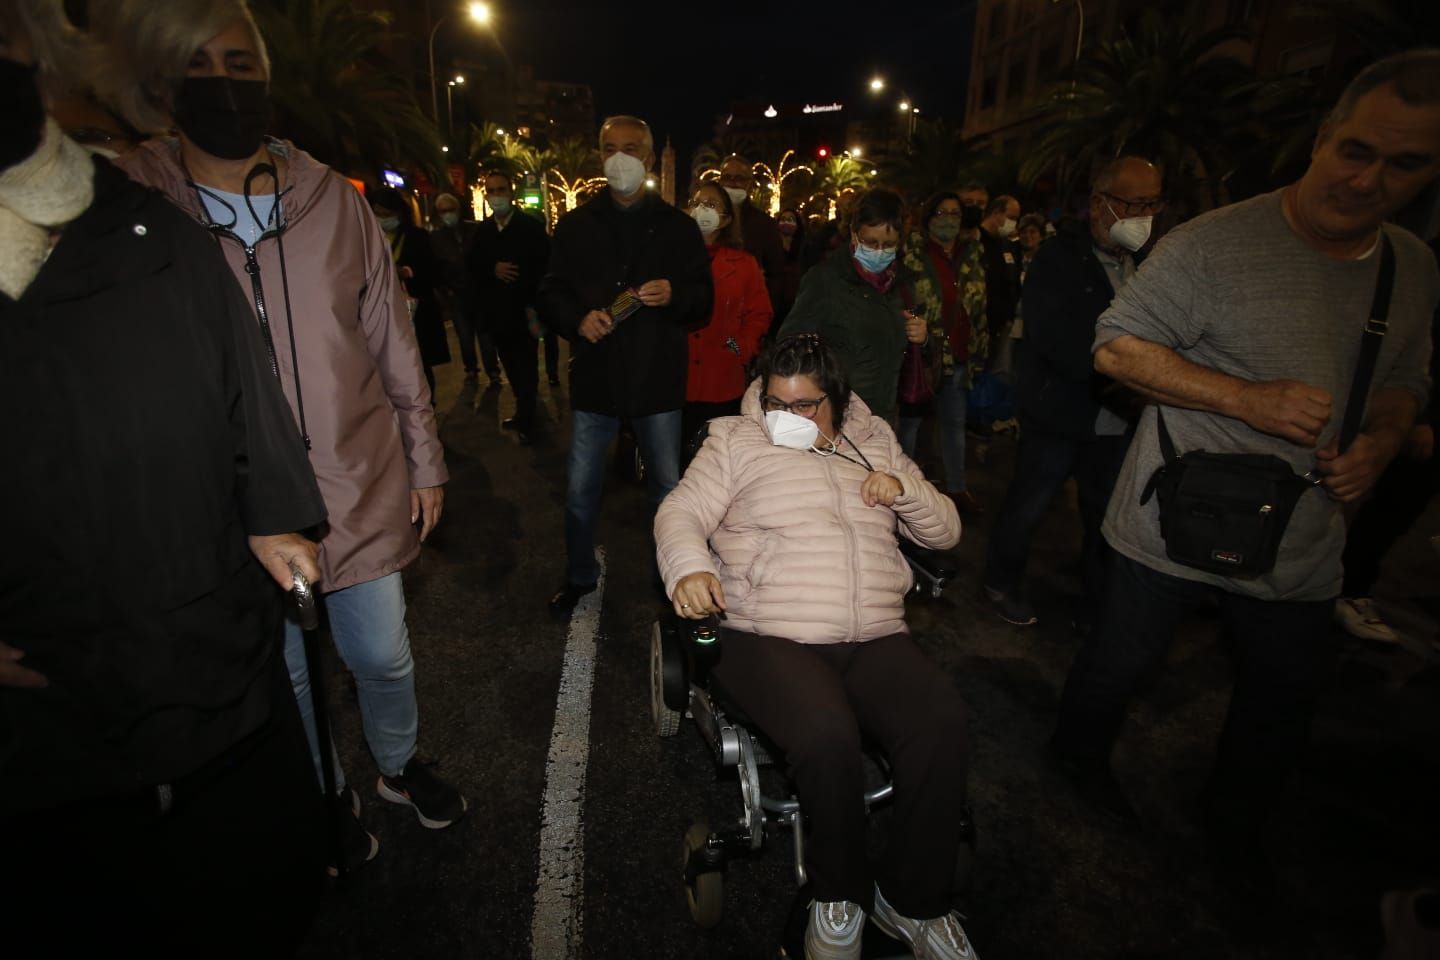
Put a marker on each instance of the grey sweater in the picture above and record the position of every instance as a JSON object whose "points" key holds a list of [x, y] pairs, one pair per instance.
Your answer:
{"points": [[1237, 291]]}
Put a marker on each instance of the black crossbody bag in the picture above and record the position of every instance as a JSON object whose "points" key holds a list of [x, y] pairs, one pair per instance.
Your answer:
{"points": [[1226, 513]]}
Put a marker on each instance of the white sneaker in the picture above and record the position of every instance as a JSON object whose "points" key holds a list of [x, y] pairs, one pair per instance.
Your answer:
{"points": [[833, 932], [1359, 618], [940, 939]]}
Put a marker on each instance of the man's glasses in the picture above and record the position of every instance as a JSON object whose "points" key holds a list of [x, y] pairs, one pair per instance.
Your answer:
{"points": [[1139, 207], [802, 408]]}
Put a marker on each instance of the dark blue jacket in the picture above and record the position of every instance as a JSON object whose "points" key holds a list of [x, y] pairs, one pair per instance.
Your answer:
{"points": [[1066, 290]]}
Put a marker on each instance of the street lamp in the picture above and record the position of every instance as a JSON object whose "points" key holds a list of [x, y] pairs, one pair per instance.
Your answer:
{"points": [[877, 84], [479, 14], [855, 152], [771, 112]]}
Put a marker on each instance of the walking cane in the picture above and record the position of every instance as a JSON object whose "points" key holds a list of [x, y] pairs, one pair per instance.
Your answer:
{"points": [[310, 631]]}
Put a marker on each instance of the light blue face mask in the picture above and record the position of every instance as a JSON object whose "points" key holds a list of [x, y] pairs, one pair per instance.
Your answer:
{"points": [[875, 261]]}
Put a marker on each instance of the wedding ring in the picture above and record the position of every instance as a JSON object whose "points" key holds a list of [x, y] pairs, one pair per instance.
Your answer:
{"points": [[685, 606]]}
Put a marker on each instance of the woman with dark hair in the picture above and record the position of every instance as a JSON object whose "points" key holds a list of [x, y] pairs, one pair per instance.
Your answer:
{"points": [[785, 524], [949, 290], [859, 303], [792, 242], [739, 319], [420, 274]]}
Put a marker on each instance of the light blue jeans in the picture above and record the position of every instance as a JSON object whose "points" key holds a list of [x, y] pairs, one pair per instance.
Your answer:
{"points": [[367, 621], [950, 395], [591, 434]]}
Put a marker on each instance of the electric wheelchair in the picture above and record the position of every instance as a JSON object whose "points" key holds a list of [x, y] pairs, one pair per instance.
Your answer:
{"points": [[681, 653]]}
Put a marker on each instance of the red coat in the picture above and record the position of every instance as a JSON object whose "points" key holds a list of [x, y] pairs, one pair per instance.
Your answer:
{"points": [[742, 312]]}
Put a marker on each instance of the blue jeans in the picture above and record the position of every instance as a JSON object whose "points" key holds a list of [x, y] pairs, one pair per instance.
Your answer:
{"points": [[367, 621], [1282, 650], [658, 437], [950, 397]]}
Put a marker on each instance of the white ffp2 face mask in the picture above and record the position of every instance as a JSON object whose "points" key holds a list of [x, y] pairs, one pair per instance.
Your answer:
{"points": [[708, 219], [1131, 232], [737, 196], [791, 430], [624, 173], [1007, 228]]}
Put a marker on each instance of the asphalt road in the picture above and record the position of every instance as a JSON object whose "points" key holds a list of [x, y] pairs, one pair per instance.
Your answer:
{"points": [[1359, 818]]}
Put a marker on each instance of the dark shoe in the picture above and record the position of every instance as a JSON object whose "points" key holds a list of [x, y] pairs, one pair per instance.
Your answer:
{"points": [[526, 440], [509, 423], [1097, 789], [435, 802], [966, 503], [357, 844], [563, 603], [1011, 609]]}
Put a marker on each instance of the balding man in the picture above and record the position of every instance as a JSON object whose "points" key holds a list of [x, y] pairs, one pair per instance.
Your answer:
{"points": [[757, 228], [1245, 327], [1065, 431], [629, 277]]}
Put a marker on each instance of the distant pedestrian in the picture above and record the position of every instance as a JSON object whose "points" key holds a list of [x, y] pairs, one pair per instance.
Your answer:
{"points": [[721, 350], [628, 279], [792, 241], [859, 303], [1073, 422], [451, 235], [420, 276], [950, 295], [758, 229], [507, 263]]}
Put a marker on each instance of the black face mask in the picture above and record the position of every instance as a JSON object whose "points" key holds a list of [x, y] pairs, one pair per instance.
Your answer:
{"points": [[970, 216], [22, 115], [226, 118]]}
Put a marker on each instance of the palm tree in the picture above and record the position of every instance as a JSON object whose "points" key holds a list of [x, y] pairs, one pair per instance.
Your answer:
{"points": [[572, 169], [1167, 93], [335, 95]]}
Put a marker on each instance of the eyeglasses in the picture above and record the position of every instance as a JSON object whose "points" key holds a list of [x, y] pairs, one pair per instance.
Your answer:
{"points": [[801, 408], [878, 246], [1139, 207], [708, 204]]}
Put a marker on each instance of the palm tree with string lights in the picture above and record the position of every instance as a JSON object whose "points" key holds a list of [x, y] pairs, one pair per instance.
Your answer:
{"points": [[571, 170], [774, 179]]}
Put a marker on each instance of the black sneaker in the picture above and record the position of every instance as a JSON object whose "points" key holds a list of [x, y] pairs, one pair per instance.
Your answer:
{"points": [[358, 845], [563, 604], [435, 802], [1011, 609]]}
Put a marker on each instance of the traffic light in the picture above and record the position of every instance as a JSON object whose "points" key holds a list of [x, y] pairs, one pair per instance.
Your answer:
{"points": [[822, 152]]}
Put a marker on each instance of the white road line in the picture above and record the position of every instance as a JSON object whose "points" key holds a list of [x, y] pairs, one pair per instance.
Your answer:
{"points": [[555, 929]]}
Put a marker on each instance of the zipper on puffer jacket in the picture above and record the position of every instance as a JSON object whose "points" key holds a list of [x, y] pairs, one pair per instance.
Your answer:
{"points": [[852, 546]]}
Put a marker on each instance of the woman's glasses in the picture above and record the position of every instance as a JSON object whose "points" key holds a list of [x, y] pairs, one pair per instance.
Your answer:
{"points": [[801, 408]]}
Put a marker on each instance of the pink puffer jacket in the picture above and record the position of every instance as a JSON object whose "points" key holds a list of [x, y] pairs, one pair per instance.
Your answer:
{"points": [[798, 553]]}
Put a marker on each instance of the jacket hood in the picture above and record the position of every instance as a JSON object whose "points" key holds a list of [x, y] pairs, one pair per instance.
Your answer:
{"points": [[157, 162], [858, 425]]}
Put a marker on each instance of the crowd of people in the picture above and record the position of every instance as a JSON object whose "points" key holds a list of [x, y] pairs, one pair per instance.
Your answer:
{"points": [[219, 358]]}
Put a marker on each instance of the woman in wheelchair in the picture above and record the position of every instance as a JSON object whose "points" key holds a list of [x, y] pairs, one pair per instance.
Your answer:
{"points": [[785, 525]]}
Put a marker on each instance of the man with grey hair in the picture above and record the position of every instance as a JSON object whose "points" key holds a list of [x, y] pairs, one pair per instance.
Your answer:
{"points": [[629, 278], [1244, 326]]}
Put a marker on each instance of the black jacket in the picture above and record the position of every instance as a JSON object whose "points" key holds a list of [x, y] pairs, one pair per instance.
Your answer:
{"points": [[523, 242], [1066, 290], [145, 435], [762, 241], [411, 248], [1002, 282], [599, 250]]}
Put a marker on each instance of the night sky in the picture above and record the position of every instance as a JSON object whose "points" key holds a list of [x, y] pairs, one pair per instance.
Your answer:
{"points": [[678, 66]]}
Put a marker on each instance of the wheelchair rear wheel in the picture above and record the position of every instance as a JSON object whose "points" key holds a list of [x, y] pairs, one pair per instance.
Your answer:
{"points": [[667, 721], [705, 894]]}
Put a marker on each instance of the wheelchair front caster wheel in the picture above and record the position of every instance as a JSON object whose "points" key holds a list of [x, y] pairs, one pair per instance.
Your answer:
{"points": [[705, 893], [666, 721]]}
